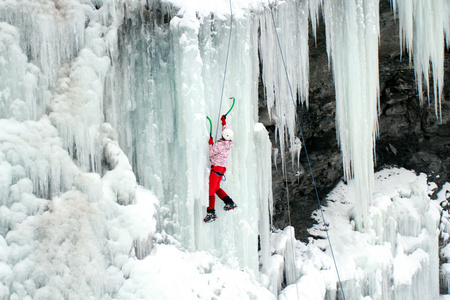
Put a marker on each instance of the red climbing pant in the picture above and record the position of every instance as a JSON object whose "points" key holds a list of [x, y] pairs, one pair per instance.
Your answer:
{"points": [[214, 185]]}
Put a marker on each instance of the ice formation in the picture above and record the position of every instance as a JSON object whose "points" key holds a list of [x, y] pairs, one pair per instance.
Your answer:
{"points": [[282, 86], [105, 97], [103, 152], [444, 229], [398, 258], [423, 26], [352, 46]]}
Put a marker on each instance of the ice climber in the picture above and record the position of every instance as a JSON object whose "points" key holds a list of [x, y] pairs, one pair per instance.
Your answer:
{"points": [[218, 154]]}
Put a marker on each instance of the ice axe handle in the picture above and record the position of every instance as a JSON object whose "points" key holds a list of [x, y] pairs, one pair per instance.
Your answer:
{"points": [[234, 100], [210, 126]]}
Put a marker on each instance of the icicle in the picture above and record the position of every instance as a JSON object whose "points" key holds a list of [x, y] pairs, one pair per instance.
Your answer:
{"points": [[295, 150], [423, 25], [314, 7], [291, 18], [352, 46]]}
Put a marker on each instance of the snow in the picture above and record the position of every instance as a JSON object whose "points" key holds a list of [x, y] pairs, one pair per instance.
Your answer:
{"points": [[104, 167], [168, 273], [397, 247]]}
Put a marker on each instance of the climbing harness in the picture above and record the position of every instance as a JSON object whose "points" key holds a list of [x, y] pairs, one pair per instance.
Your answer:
{"points": [[307, 157], [220, 175]]}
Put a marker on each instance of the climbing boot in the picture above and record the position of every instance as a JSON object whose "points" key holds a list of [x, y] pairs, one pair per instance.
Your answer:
{"points": [[229, 204], [210, 216]]}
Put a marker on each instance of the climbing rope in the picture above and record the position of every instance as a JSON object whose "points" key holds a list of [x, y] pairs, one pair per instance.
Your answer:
{"points": [[225, 71], [291, 232], [306, 154]]}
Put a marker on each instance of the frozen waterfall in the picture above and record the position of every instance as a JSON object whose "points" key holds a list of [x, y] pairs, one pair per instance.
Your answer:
{"points": [[104, 163], [100, 89]]}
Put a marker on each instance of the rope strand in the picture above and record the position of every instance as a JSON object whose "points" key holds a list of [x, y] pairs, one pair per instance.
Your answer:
{"points": [[225, 72]]}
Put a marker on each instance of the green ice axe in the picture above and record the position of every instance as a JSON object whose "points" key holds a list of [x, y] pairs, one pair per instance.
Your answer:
{"points": [[234, 100], [210, 126], [210, 123]]}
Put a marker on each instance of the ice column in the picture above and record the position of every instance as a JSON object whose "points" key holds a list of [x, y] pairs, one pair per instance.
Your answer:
{"points": [[352, 31], [423, 25], [139, 97], [235, 237], [154, 100], [263, 147], [191, 127]]}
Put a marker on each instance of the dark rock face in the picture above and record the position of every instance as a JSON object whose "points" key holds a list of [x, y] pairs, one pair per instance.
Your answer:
{"points": [[410, 135]]}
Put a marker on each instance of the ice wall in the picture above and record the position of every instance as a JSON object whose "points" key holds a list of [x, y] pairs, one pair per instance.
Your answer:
{"points": [[124, 90], [166, 77], [49, 34], [60, 223], [60, 79]]}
